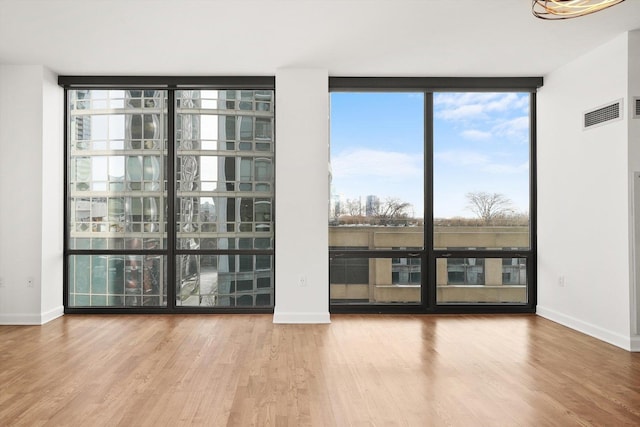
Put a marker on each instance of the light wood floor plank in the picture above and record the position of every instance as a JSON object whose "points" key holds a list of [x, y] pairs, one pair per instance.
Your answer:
{"points": [[376, 370]]}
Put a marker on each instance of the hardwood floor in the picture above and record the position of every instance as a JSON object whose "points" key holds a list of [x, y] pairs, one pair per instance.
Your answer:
{"points": [[378, 370]]}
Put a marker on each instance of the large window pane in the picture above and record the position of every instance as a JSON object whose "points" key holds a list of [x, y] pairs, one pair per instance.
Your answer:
{"points": [[377, 196], [225, 280], [377, 169], [477, 196], [481, 170], [117, 149], [224, 167], [117, 162], [121, 207], [224, 147], [117, 281]]}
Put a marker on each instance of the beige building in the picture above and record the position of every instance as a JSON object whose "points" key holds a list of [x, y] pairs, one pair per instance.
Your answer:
{"points": [[398, 280]]}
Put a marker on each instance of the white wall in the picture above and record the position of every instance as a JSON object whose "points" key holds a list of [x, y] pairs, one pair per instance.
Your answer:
{"points": [[30, 222], [302, 191], [52, 196], [634, 167], [583, 198]]}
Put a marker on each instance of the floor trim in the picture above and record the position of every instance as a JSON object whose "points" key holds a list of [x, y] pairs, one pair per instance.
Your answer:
{"points": [[586, 328], [30, 318], [292, 317]]}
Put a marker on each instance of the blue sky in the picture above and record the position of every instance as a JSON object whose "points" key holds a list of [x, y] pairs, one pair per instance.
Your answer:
{"points": [[480, 144]]}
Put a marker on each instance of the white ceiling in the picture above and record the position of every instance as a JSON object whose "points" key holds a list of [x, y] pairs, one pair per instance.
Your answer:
{"points": [[347, 37]]}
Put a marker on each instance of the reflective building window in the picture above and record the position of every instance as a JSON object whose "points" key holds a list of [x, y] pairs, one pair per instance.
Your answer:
{"points": [[116, 198], [225, 197], [126, 214]]}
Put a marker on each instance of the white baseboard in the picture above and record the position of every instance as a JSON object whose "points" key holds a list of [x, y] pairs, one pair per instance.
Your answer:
{"points": [[54, 313], [624, 342], [20, 319], [31, 319], [635, 343], [280, 317]]}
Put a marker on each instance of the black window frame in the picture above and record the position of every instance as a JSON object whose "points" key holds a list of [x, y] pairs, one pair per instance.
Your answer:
{"points": [[428, 255], [171, 84]]}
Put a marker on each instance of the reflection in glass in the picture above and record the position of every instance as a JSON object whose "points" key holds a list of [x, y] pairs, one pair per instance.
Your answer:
{"points": [[117, 281], [117, 175], [225, 280], [225, 198], [216, 187], [117, 200]]}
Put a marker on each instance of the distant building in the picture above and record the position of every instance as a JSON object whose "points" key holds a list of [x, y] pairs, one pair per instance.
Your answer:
{"points": [[372, 205], [458, 280]]}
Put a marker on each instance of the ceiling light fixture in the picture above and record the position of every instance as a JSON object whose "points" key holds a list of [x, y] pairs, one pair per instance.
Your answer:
{"points": [[565, 9]]}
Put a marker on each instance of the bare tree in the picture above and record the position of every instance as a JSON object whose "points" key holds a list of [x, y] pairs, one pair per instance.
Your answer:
{"points": [[489, 206], [353, 207], [389, 211]]}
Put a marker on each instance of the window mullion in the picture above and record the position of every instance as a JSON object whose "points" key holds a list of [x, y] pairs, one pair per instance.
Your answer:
{"points": [[429, 279], [171, 199]]}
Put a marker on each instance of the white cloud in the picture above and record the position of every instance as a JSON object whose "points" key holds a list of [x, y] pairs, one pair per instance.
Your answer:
{"points": [[501, 168], [462, 157], [514, 127], [477, 135], [376, 163], [461, 112], [469, 106], [458, 99], [479, 161]]}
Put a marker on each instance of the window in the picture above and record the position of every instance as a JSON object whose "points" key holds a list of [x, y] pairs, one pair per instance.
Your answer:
{"points": [[377, 192], [481, 199], [137, 237], [116, 204], [465, 271], [432, 191], [406, 271]]}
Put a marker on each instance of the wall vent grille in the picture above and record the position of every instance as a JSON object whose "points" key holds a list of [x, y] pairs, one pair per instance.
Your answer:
{"points": [[636, 107], [603, 115]]}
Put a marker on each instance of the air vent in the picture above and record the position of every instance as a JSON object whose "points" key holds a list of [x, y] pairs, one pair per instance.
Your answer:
{"points": [[636, 107], [603, 115]]}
